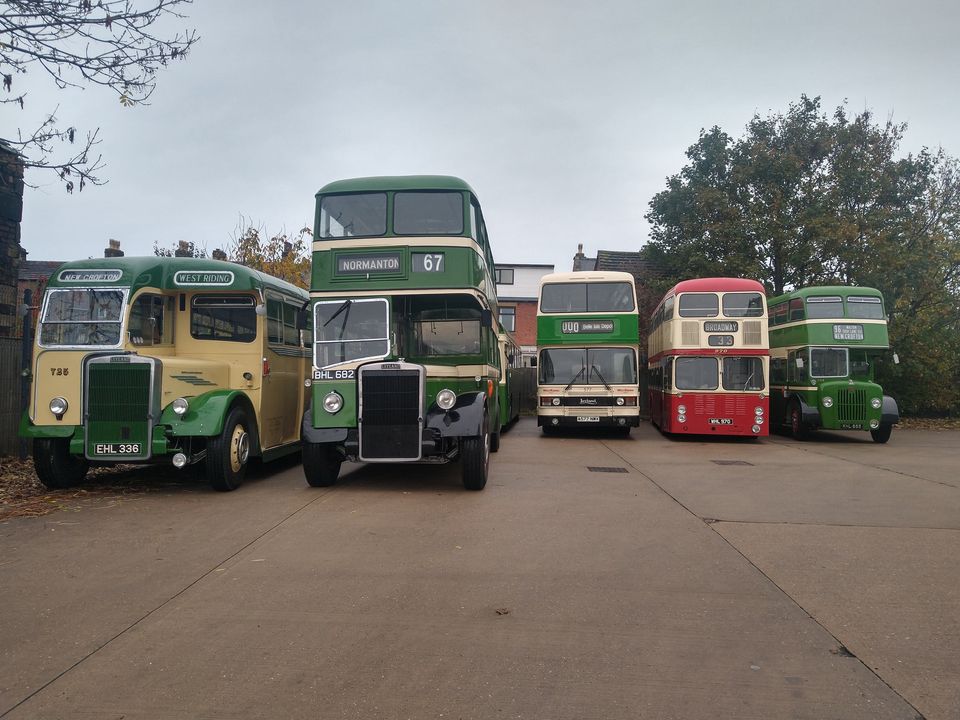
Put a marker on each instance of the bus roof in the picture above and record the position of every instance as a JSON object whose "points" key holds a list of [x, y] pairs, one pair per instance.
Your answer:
{"points": [[843, 291], [587, 275], [716, 284], [168, 274], [387, 183]]}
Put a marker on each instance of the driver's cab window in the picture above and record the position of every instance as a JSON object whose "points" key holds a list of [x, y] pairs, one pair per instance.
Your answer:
{"points": [[797, 375], [151, 320]]}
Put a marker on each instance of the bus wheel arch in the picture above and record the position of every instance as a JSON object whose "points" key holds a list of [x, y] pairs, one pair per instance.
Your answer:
{"points": [[798, 428], [55, 466]]}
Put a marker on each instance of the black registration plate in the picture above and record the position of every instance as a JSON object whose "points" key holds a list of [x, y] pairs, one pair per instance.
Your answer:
{"points": [[117, 448], [720, 421]]}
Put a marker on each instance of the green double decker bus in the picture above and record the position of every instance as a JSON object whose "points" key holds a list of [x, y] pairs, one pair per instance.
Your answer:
{"points": [[406, 361], [825, 343]]}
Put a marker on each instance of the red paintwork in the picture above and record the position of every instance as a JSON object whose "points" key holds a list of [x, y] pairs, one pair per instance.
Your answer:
{"points": [[701, 406]]}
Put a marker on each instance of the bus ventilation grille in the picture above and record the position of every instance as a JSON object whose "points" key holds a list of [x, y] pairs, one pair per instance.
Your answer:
{"points": [[752, 333], [690, 333]]}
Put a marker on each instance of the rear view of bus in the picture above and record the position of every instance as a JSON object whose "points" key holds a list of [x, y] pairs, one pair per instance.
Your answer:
{"points": [[587, 342], [708, 354]]}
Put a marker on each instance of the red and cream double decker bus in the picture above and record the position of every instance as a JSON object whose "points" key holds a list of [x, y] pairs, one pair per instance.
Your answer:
{"points": [[708, 358]]}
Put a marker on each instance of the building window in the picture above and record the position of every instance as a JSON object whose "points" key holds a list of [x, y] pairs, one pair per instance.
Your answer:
{"points": [[508, 318], [503, 276]]}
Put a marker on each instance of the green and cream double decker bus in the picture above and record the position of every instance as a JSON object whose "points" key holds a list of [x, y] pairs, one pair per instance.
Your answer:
{"points": [[406, 363], [587, 343], [179, 360], [824, 346]]}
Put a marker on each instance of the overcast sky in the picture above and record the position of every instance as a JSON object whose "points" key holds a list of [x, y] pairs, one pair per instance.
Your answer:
{"points": [[565, 117]]}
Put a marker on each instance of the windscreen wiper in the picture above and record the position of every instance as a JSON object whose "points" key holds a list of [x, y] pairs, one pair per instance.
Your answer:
{"points": [[570, 384], [595, 369], [747, 383], [346, 303]]}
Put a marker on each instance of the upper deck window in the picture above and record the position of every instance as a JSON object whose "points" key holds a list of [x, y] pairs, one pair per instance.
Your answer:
{"points": [[867, 308], [587, 297], [743, 305], [699, 305], [428, 213], [354, 215], [824, 306], [88, 316]]}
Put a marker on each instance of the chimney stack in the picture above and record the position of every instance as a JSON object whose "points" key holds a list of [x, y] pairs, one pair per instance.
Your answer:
{"points": [[183, 250], [113, 249], [219, 254]]}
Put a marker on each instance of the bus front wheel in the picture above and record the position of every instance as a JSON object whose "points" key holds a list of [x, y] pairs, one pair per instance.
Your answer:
{"points": [[475, 458], [54, 464], [228, 452], [797, 427], [882, 433], [321, 464]]}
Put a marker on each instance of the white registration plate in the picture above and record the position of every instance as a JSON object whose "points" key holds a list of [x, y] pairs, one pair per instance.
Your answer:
{"points": [[720, 421], [116, 449], [588, 418]]}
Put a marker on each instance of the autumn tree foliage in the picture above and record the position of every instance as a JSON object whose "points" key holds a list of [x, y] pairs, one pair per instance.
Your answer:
{"points": [[115, 44], [805, 198], [285, 256]]}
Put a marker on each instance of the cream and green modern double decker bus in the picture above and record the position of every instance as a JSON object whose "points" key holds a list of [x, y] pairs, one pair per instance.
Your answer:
{"points": [[406, 364], [153, 359], [825, 343], [587, 344]]}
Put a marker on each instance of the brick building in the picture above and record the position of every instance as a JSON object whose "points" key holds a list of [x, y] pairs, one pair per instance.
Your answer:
{"points": [[517, 290]]}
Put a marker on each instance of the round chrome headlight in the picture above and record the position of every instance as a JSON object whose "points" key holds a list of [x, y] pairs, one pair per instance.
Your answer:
{"points": [[620, 401], [446, 399], [758, 420], [332, 402], [308, 383], [876, 403], [556, 401], [827, 401], [682, 409], [874, 424], [180, 406], [59, 405], [758, 410], [681, 418], [756, 429]]}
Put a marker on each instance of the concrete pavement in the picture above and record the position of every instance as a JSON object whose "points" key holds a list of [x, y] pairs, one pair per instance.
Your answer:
{"points": [[673, 588]]}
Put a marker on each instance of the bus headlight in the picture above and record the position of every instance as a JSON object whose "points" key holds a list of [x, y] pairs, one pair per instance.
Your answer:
{"points": [[58, 406], [180, 406], [556, 401], [681, 418], [682, 409], [874, 424], [446, 399], [756, 429], [876, 403], [332, 402], [758, 410], [620, 401], [827, 401]]}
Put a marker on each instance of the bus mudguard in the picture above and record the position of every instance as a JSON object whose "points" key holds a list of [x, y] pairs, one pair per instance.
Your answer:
{"points": [[890, 413], [811, 415], [464, 419], [29, 430], [205, 415], [311, 434]]}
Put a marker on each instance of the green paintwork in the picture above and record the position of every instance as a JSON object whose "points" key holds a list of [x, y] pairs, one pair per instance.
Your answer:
{"points": [[819, 333], [843, 291], [625, 330], [386, 183], [204, 417], [161, 272], [29, 430], [347, 415]]}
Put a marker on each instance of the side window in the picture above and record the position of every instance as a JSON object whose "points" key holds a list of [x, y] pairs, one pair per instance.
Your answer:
{"points": [[796, 309], [232, 318], [778, 371], [274, 320], [151, 320], [668, 375]]}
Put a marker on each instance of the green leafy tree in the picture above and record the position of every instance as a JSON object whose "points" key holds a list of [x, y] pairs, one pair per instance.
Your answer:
{"points": [[803, 198]]}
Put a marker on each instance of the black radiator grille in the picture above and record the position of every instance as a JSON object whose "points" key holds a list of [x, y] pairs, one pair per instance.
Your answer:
{"points": [[118, 392], [390, 407]]}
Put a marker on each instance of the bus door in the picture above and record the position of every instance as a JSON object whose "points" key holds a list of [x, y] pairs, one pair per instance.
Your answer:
{"points": [[283, 373]]}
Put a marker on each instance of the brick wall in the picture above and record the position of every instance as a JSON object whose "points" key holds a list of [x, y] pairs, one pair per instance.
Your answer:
{"points": [[11, 212]]}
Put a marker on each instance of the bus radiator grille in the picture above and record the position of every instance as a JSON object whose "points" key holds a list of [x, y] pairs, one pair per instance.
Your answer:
{"points": [[118, 392], [851, 405], [390, 407]]}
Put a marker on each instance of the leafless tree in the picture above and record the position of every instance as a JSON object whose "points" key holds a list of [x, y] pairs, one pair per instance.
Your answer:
{"points": [[78, 43]]}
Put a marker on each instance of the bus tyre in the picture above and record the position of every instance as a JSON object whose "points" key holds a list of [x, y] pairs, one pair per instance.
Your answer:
{"points": [[321, 464], [495, 440], [54, 464], [228, 452], [795, 417], [882, 433], [475, 458]]}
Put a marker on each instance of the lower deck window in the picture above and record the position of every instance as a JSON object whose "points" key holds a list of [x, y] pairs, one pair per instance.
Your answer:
{"points": [[696, 373], [743, 373], [232, 318]]}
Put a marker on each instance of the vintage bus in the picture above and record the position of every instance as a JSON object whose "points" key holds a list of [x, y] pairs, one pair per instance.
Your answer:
{"points": [[707, 358], [407, 362], [509, 390], [153, 359], [825, 343], [587, 343]]}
